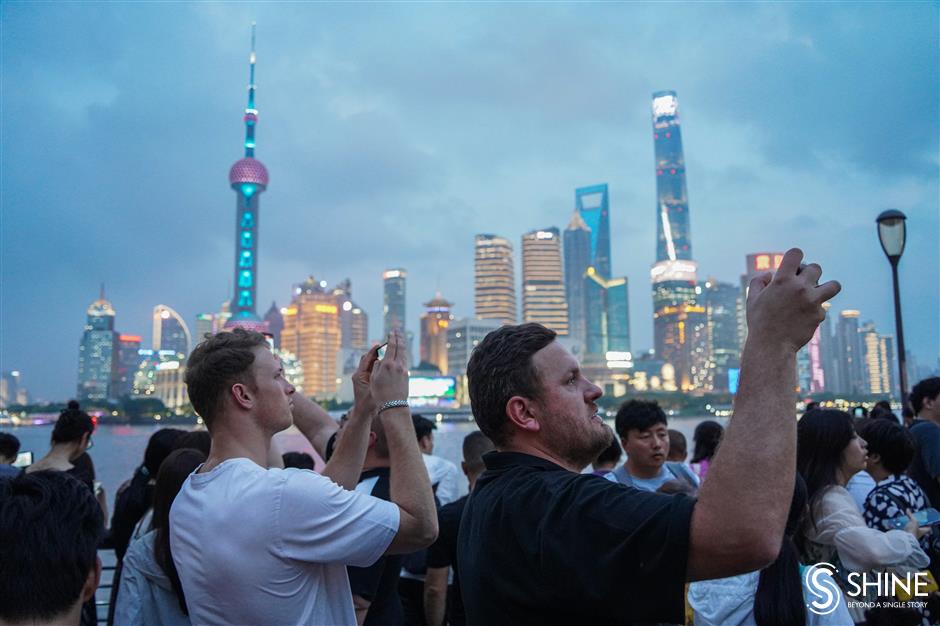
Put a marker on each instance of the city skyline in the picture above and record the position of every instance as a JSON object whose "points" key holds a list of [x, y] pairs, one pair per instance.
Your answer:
{"points": [[372, 170]]}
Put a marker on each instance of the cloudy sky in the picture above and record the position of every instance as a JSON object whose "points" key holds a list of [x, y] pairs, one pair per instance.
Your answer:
{"points": [[395, 132]]}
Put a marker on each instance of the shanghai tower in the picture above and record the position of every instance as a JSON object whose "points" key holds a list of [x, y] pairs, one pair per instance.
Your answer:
{"points": [[679, 321], [248, 177]]}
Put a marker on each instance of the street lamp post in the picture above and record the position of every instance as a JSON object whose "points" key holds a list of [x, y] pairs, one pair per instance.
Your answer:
{"points": [[892, 233]]}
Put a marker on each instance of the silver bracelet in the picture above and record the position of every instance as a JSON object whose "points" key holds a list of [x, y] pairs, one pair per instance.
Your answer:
{"points": [[392, 404]]}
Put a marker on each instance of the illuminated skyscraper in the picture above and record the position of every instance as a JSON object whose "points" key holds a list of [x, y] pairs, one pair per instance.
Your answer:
{"points": [[312, 332], [205, 325], [96, 351], [679, 321], [850, 355], [543, 285], [494, 279], [577, 247], [126, 364], [170, 331], [721, 305], [354, 323], [879, 358], [592, 204], [393, 311], [434, 324], [249, 178], [274, 322]]}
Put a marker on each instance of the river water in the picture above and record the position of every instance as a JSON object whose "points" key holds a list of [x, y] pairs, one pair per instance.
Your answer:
{"points": [[118, 450]]}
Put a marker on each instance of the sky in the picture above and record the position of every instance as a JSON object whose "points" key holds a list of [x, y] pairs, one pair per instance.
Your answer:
{"points": [[394, 132]]}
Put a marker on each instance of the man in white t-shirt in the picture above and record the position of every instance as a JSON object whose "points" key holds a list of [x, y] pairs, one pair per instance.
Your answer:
{"points": [[270, 546], [445, 477]]}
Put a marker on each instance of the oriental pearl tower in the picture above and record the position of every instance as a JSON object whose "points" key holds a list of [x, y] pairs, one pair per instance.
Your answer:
{"points": [[248, 177]]}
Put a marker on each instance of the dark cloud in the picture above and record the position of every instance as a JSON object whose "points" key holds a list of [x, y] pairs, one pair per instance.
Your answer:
{"points": [[395, 132]]}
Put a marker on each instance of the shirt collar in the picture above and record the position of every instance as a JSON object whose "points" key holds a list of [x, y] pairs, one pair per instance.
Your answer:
{"points": [[497, 461]]}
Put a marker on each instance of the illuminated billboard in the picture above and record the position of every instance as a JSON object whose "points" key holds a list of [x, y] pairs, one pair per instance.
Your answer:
{"points": [[763, 262], [432, 391]]}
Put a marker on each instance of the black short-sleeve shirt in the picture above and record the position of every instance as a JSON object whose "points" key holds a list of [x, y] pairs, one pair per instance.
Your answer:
{"points": [[378, 583], [539, 544], [443, 553]]}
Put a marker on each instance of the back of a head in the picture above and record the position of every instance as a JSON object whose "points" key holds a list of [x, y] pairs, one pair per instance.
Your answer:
{"points": [[217, 363], [300, 460], [707, 436], [677, 443], [50, 524], [423, 426], [638, 415], [196, 440], [610, 455], [72, 425], [821, 436], [924, 390], [158, 447], [475, 445], [9, 446], [500, 367], [174, 471], [893, 444]]}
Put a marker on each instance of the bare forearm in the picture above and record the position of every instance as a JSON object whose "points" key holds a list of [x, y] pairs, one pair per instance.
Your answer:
{"points": [[410, 487], [345, 464], [435, 596], [313, 422], [753, 471]]}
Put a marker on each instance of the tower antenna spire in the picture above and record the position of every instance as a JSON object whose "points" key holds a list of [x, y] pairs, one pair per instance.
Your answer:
{"points": [[251, 113]]}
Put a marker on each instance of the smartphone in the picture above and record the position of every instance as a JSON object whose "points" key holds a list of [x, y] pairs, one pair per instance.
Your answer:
{"points": [[382, 350], [23, 459], [925, 517], [270, 339]]}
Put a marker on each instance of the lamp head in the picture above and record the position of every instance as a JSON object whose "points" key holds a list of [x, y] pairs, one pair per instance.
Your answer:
{"points": [[892, 233]]}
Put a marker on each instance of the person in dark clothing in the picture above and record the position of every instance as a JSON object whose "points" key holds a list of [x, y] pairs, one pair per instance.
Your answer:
{"points": [[925, 468], [539, 542], [9, 448], [300, 460], [441, 599], [375, 588]]}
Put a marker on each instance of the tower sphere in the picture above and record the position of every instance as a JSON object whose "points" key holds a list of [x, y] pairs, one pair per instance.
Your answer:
{"points": [[248, 170]]}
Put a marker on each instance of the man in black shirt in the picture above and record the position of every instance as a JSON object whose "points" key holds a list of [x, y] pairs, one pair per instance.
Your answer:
{"points": [[442, 555], [541, 543]]}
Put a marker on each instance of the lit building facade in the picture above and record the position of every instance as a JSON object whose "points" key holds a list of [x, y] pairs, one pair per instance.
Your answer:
{"points": [[249, 178], [205, 326], [148, 363], [593, 206], [169, 385], [679, 320], [354, 322], [126, 364], [851, 358], [393, 291], [312, 333], [577, 250], [879, 359], [494, 279], [721, 313], [434, 324], [543, 284], [463, 335], [96, 352], [170, 331]]}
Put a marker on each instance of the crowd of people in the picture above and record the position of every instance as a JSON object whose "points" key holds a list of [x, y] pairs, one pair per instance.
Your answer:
{"points": [[220, 527]]}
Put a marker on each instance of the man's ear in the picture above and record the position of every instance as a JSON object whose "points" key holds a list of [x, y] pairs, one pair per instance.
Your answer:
{"points": [[874, 458], [91, 582], [373, 437], [519, 410], [242, 396], [463, 467]]}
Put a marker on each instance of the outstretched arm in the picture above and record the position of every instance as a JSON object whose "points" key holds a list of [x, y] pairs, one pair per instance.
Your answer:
{"points": [[409, 484], [752, 475]]}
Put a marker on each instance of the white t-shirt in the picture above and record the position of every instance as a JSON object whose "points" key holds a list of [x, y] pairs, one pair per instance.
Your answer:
{"points": [[445, 475], [271, 546]]}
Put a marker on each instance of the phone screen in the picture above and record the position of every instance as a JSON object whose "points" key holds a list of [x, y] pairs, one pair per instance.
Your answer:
{"points": [[382, 350], [23, 459], [924, 517]]}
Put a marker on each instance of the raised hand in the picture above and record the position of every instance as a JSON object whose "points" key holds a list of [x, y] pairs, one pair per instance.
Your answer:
{"points": [[361, 378], [785, 307], [389, 379]]}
